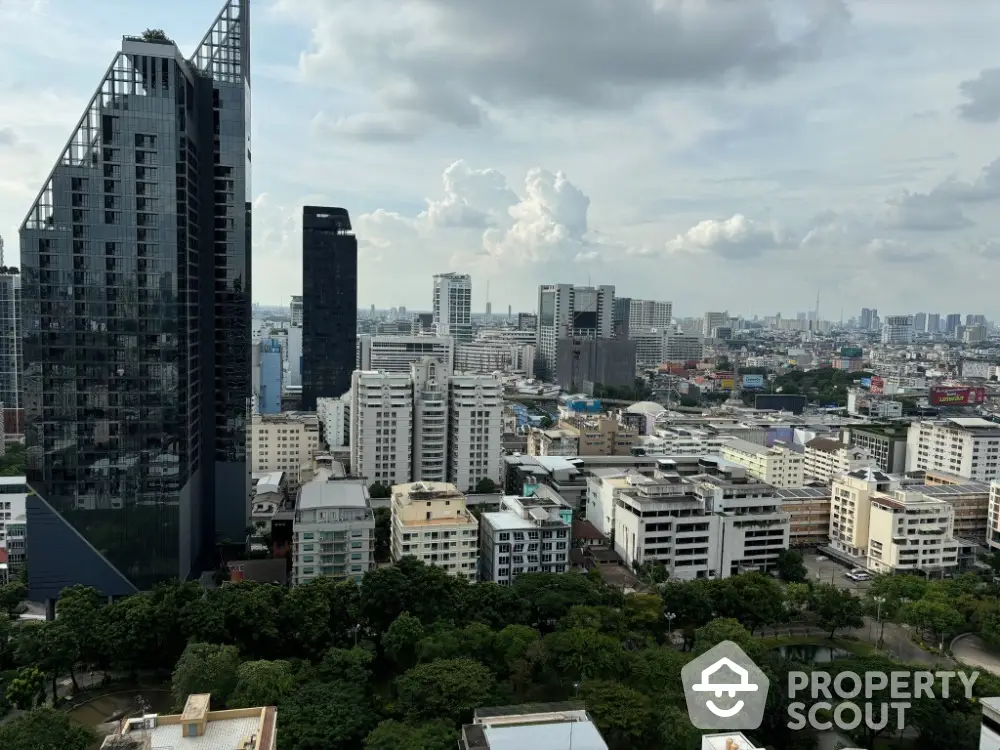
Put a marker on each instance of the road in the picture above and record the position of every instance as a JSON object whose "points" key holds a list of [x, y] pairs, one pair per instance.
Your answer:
{"points": [[824, 570], [971, 651]]}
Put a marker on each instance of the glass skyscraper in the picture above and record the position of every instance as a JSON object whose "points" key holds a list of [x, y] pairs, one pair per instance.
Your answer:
{"points": [[329, 303], [136, 319]]}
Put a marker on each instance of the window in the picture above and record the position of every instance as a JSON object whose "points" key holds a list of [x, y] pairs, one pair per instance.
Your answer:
{"points": [[191, 730]]}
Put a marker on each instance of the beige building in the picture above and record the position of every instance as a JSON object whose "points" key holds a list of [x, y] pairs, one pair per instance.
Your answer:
{"points": [[909, 533], [808, 509], [966, 446], [971, 501], [430, 521], [583, 436], [554, 441], [777, 466], [825, 459], [284, 442], [850, 509]]}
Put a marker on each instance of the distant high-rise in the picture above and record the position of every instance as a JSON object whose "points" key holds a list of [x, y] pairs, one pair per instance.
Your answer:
{"points": [[898, 329], [920, 322], [452, 306], [269, 397], [11, 384], [329, 303], [712, 321], [975, 320], [952, 322], [137, 316], [933, 323], [567, 311], [640, 314], [869, 318]]}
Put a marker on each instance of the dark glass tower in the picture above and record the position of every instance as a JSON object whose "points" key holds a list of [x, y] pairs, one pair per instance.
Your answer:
{"points": [[329, 303], [136, 319]]}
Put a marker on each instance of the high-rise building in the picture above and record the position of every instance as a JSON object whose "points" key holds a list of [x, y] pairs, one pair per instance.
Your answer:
{"points": [[475, 428], [430, 420], [898, 329], [269, 393], [293, 345], [953, 321], [329, 303], [920, 322], [381, 426], [975, 320], [10, 349], [397, 353], [137, 317], [869, 319], [567, 311], [712, 321], [640, 314], [296, 310], [452, 306], [933, 323]]}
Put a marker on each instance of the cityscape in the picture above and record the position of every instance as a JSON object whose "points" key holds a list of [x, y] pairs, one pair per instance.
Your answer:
{"points": [[480, 474]]}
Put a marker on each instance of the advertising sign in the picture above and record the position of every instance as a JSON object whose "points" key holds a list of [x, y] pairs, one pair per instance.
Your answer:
{"points": [[957, 396], [877, 385], [866, 382], [850, 351], [726, 384], [753, 381]]}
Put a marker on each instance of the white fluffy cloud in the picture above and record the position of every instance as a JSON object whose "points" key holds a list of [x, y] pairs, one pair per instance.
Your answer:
{"points": [[736, 237], [473, 198]]}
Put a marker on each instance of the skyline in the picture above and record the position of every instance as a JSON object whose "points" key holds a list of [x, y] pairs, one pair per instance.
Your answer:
{"points": [[851, 149]]}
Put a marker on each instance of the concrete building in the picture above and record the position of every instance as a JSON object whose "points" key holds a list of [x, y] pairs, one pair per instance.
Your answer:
{"points": [[993, 521], [966, 446], [553, 441], [333, 533], [648, 346], [570, 312], [582, 436], [333, 416], [608, 362], [933, 323], [808, 510], [528, 534], [550, 725], [885, 443], [381, 433], [712, 321], [430, 521], [971, 502], [850, 509], [680, 347], [972, 334], [897, 330], [475, 429], [270, 378], [911, 533], [283, 442], [11, 349], [824, 459], [199, 728], [397, 353], [776, 465], [631, 314], [13, 526], [452, 306], [430, 421]]}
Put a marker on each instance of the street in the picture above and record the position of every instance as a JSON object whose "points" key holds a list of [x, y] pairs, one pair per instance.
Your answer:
{"points": [[824, 570]]}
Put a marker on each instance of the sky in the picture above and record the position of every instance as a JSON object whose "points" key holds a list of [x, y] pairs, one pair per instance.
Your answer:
{"points": [[741, 155]]}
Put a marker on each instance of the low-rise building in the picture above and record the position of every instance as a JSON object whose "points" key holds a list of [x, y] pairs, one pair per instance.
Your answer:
{"points": [[885, 443], [553, 441], [824, 459], [776, 465], [431, 522], [550, 725], [13, 526], [283, 442], [199, 728], [911, 533], [528, 534], [971, 502], [966, 446], [850, 509], [993, 522], [808, 510], [333, 533]]}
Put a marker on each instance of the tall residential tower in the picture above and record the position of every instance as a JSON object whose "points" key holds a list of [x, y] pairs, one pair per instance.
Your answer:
{"points": [[136, 318], [452, 306]]}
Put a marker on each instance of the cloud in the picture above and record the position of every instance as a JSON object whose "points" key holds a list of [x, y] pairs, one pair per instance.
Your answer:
{"points": [[924, 213], [897, 251], [736, 237], [988, 249], [377, 127], [983, 96], [474, 198], [454, 60], [8, 137]]}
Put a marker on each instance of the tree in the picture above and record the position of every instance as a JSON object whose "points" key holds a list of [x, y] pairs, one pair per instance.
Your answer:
{"points": [[12, 598], [837, 608], [724, 629], [206, 668], [78, 610], [485, 486], [798, 597], [325, 716], [791, 566], [938, 617], [395, 735], [401, 640], [582, 653], [379, 491], [26, 689], [448, 689], [156, 36], [622, 715], [383, 534], [262, 683], [45, 729], [675, 730], [511, 645], [755, 599]]}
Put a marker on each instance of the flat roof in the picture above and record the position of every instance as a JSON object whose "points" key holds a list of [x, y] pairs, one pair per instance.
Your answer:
{"points": [[13, 480], [579, 735], [746, 446], [973, 423], [951, 490], [333, 493], [220, 734], [803, 493], [508, 520]]}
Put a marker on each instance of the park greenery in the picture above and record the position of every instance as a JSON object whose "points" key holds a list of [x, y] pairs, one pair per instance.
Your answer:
{"points": [[403, 659]]}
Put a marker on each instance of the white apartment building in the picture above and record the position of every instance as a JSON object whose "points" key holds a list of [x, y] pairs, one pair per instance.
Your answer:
{"points": [[397, 353], [567, 311], [646, 313], [430, 521], [283, 442], [485, 356], [648, 346], [333, 415], [993, 517], [989, 725], [13, 526], [911, 533], [681, 347], [430, 421], [529, 534], [333, 533], [966, 446], [824, 459], [712, 321], [850, 509], [897, 330], [452, 306], [381, 422], [776, 465], [683, 442], [475, 429]]}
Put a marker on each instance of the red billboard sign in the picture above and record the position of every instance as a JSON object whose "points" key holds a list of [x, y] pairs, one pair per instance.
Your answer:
{"points": [[877, 386], [957, 396]]}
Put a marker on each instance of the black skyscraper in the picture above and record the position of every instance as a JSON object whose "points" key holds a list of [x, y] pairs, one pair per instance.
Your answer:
{"points": [[136, 319], [329, 303]]}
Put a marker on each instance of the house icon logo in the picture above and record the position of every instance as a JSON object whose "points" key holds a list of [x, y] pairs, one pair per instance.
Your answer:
{"points": [[724, 689]]}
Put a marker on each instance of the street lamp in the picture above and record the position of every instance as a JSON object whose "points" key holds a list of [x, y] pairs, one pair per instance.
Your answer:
{"points": [[879, 601], [670, 621]]}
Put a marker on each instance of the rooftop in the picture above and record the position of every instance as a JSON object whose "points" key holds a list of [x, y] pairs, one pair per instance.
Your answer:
{"points": [[825, 444], [552, 725], [333, 493], [885, 430]]}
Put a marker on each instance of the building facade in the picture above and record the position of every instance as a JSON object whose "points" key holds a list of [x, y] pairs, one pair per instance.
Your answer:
{"points": [[776, 465], [528, 534], [269, 391], [608, 362], [333, 534], [824, 459], [333, 414], [966, 446], [329, 303], [680, 347], [431, 522], [452, 306], [11, 353], [397, 353], [566, 312], [430, 421], [136, 289], [897, 330], [631, 314], [284, 442], [475, 429], [13, 526], [381, 434], [886, 444]]}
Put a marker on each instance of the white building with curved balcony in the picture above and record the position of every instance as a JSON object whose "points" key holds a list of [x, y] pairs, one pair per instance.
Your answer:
{"points": [[430, 421]]}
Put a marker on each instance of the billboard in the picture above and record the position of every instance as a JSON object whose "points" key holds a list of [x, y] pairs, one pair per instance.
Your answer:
{"points": [[780, 402], [726, 384], [877, 385], [850, 351], [960, 396], [753, 381], [866, 382]]}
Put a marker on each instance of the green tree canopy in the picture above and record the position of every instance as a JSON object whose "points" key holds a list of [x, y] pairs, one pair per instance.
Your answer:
{"points": [[44, 729], [205, 668], [395, 735], [445, 689]]}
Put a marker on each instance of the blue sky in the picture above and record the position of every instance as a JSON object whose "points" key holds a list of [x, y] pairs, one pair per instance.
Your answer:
{"points": [[719, 154]]}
